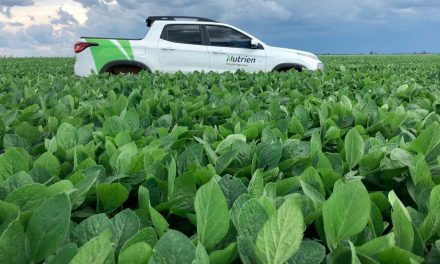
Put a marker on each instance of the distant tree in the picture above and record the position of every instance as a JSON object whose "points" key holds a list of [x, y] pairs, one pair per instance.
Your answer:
{"points": [[424, 52]]}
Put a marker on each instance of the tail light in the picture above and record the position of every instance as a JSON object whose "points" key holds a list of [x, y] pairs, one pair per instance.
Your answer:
{"points": [[80, 46]]}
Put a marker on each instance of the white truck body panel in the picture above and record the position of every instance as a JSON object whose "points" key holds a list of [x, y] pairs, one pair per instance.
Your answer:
{"points": [[182, 57], [157, 54]]}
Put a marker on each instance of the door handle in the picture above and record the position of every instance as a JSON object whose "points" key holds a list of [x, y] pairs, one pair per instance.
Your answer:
{"points": [[167, 48], [219, 52]]}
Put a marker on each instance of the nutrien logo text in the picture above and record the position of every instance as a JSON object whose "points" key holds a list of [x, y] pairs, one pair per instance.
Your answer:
{"points": [[240, 59]]}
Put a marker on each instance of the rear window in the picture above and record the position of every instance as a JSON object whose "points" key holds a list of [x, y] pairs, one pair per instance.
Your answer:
{"points": [[186, 34]]}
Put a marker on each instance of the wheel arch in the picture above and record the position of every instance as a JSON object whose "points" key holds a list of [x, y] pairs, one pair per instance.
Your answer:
{"points": [[122, 63], [285, 66]]}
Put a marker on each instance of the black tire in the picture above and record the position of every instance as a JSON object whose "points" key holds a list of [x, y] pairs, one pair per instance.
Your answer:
{"points": [[124, 69], [284, 67], [298, 69]]}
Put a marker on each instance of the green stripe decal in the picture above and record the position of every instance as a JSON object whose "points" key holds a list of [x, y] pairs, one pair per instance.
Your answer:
{"points": [[125, 44], [108, 51]]}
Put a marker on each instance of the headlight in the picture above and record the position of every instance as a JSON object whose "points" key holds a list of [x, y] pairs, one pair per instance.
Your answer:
{"points": [[320, 66]]}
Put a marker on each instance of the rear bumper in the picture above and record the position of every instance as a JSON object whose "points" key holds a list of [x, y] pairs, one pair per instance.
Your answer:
{"points": [[84, 64], [80, 71]]}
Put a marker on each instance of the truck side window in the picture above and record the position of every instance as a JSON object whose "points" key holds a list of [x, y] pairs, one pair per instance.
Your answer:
{"points": [[227, 37], [186, 34]]}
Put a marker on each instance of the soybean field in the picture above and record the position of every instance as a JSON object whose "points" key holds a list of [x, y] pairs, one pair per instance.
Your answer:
{"points": [[334, 166]]}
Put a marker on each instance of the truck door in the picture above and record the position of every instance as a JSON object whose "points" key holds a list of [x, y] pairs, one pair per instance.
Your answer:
{"points": [[230, 50], [181, 48]]}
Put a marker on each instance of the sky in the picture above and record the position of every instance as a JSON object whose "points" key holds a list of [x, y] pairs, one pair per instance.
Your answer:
{"points": [[51, 27]]}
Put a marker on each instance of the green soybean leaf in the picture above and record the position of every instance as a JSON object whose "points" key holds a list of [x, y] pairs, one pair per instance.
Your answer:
{"points": [[12, 244], [190, 156], [333, 133], [268, 204], [354, 257], [316, 197], [397, 255], [143, 198], [48, 227], [431, 223], [51, 145], [16, 181], [380, 200], [171, 178], [173, 248], [295, 126], [113, 125], [310, 252], [402, 224], [138, 253], [126, 225], [212, 214], [28, 197], [225, 160], [92, 227], [402, 157], [111, 195], [282, 234], [65, 254], [63, 186], [312, 178], [256, 185], [8, 213], [235, 211], [346, 212], [82, 188], [246, 249], [232, 188], [98, 250], [251, 220], [229, 141], [268, 154], [226, 255], [420, 173], [377, 245], [376, 220], [11, 162], [394, 200], [147, 235], [122, 138], [201, 255], [48, 162], [160, 223], [354, 147], [67, 136], [427, 142], [14, 140]]}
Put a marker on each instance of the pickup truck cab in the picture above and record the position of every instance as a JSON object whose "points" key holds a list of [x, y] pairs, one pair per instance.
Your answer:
{"points": [[187, 44]]}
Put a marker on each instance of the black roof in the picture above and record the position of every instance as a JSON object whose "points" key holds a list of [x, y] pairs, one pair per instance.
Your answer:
{"points": [[151, 19]]}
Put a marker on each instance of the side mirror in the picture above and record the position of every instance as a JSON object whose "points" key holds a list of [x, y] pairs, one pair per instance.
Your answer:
{"points": [[254, 43]]}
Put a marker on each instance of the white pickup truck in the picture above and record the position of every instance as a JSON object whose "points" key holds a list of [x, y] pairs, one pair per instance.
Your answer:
{"points": [[187, 44]]}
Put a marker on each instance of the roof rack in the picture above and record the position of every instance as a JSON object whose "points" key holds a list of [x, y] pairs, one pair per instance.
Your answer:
{"points": [[151, 19]]}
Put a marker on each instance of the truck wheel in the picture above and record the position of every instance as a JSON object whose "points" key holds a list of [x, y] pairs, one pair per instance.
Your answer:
{"points": [[298, 68], [126, 69]]}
